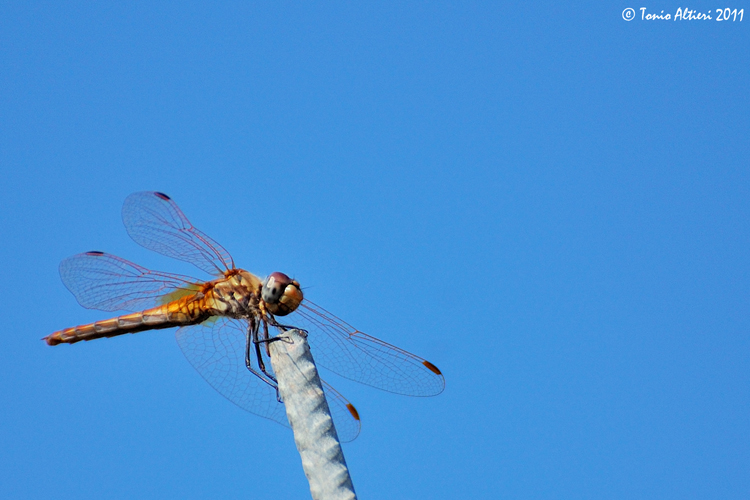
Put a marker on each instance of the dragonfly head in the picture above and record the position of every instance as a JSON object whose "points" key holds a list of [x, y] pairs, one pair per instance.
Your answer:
{"points": [[281, 294]]}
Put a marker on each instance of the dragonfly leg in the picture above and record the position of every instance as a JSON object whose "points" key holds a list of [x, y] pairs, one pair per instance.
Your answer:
{"points": [[251, 339], [284, 328], [257, 342], [267, 339]]}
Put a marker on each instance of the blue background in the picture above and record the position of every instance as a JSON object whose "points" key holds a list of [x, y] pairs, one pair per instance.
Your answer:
{"points": [[548, 202]]}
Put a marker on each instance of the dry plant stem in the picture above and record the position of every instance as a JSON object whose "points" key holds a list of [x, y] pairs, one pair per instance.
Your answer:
{"points": [[306, 407]]}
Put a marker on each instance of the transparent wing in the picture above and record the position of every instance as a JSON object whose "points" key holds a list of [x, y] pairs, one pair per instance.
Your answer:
{"points": [[217, 351], [346, 351], [344, 415], [102, 281], [155, 222]]}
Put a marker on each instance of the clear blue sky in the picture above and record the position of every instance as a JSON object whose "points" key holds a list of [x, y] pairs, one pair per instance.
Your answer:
{"points": [[547, 201]]}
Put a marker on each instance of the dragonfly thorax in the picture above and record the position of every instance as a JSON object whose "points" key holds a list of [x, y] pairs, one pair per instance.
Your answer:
{"points": [[281, 294]]}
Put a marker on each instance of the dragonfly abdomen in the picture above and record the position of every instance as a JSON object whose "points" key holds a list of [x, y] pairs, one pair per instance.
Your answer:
{"points": [[185, 311]]}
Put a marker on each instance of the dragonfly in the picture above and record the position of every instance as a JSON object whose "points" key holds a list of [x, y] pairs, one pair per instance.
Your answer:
{"points": [[226, 323]]}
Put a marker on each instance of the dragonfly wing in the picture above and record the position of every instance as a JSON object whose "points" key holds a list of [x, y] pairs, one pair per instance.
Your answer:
{"points": [[357, 356], [103, 281], [155, 222], [345, 416], [217, 351]]}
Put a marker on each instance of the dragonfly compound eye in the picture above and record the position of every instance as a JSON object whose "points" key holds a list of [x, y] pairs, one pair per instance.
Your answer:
{"points": [[281, 294], [273, 287]]}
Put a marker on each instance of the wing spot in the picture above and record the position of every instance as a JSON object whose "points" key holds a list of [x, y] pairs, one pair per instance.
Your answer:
{"points": [[431, 367], [162, 195], [353, 411], [94, 252]]}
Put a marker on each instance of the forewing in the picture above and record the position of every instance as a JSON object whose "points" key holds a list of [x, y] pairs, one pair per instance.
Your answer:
{"points": [[217, 351], [357, 356], [102, 281], [155, 222]]}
